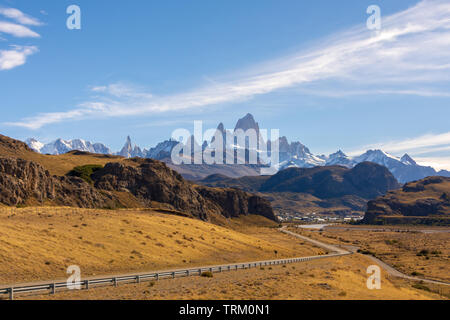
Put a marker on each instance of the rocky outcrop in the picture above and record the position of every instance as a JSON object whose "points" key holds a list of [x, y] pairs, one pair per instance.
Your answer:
{"points": [[234, 202], [427, 199], [153, 181], [23, 181]]}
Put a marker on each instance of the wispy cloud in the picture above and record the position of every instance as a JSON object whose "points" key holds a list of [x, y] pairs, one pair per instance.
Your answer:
{"points": [[17, 30], [411, 51], [439, 163], [424, 144], [19, 16], [16, 56]]}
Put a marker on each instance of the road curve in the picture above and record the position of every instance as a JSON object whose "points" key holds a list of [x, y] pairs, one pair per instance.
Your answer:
{"points": [[389, 269]]}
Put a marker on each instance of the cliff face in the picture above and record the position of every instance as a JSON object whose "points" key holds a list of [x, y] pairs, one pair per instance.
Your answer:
{"points": [[423, 201], [22, 181], [148, 181], [151, 180], [234, 202]]}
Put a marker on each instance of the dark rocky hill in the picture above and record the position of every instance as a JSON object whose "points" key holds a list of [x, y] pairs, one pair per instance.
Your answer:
{"points": [[320, 189], [426, 201]]}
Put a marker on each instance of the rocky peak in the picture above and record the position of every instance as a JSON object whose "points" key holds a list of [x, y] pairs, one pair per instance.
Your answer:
{"points": [[246, 123], [406, 159]]}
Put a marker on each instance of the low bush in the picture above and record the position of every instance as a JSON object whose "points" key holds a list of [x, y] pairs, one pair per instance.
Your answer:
{"points": [[85, 172]]}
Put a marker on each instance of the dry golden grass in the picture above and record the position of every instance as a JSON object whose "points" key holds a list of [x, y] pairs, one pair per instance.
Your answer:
{"points": [[40, 243], [398, 247], [61, 164], [334, 278]]}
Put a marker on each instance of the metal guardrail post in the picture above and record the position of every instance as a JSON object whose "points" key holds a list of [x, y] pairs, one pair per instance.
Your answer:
{"points": [[199, 272], [188, 273], [220, 269], [115, 282], [11, 293], [157, 277], [86, 284], [173, 275], [138, 279], [53, 288]]}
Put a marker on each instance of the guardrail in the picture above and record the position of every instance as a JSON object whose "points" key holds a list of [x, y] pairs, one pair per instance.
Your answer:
{"points": [[137, 278]]}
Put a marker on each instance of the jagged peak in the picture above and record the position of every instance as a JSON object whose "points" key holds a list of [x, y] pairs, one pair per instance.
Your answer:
{"points": [[406, 159]]}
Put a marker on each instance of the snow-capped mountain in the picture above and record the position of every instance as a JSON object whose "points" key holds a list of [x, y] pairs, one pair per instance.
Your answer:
{"points": [[34, 144], [405, 169], [162, 150], [130, 151], [61, 146], [341, 159], [296, 154], [292, 154]]}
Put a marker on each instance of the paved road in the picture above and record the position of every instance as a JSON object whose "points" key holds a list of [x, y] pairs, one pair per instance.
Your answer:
{"points": [[326, 246], [389, 269], [395, 273], [391, 229]]}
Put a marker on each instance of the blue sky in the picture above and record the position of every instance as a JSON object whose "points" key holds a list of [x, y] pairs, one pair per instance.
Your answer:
{"points": [[309, 68]]}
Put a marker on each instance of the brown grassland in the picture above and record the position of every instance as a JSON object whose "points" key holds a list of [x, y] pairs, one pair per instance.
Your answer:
{"points": [[38, 244], [337, 279], [408, 250]]}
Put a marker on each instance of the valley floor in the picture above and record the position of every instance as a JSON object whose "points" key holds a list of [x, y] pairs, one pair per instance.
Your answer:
{"points": [[422, 252], [38, 244], [335, 278]]}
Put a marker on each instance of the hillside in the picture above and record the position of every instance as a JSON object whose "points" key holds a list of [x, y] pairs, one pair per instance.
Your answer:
{"points": [[40, 243], [26, 180], [332, 189], [426, 201], [58, 165]]}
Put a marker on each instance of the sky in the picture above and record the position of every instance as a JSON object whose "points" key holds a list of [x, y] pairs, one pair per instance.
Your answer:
{"points": [[312, 69]]}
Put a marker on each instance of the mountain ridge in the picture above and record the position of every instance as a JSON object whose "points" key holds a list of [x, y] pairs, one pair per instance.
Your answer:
{"points": [[292, 154]]}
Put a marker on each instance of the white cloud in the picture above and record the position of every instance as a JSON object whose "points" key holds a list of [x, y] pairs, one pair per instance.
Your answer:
{"points": [[411, 51], [19, 16], [17, 30], [439, 163], [423, 144], [16, 56]]}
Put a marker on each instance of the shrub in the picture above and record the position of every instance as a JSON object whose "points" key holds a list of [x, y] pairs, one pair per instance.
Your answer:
{"points": [[207, 274], [423, 252], [421, 287], [85, 172]]}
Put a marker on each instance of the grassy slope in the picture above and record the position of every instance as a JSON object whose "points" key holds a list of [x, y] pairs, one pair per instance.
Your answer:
{"points": [[341, 278], [40, 243]]}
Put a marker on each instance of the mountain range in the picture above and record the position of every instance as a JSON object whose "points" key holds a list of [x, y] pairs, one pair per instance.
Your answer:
{"points": [[292, 155]]}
